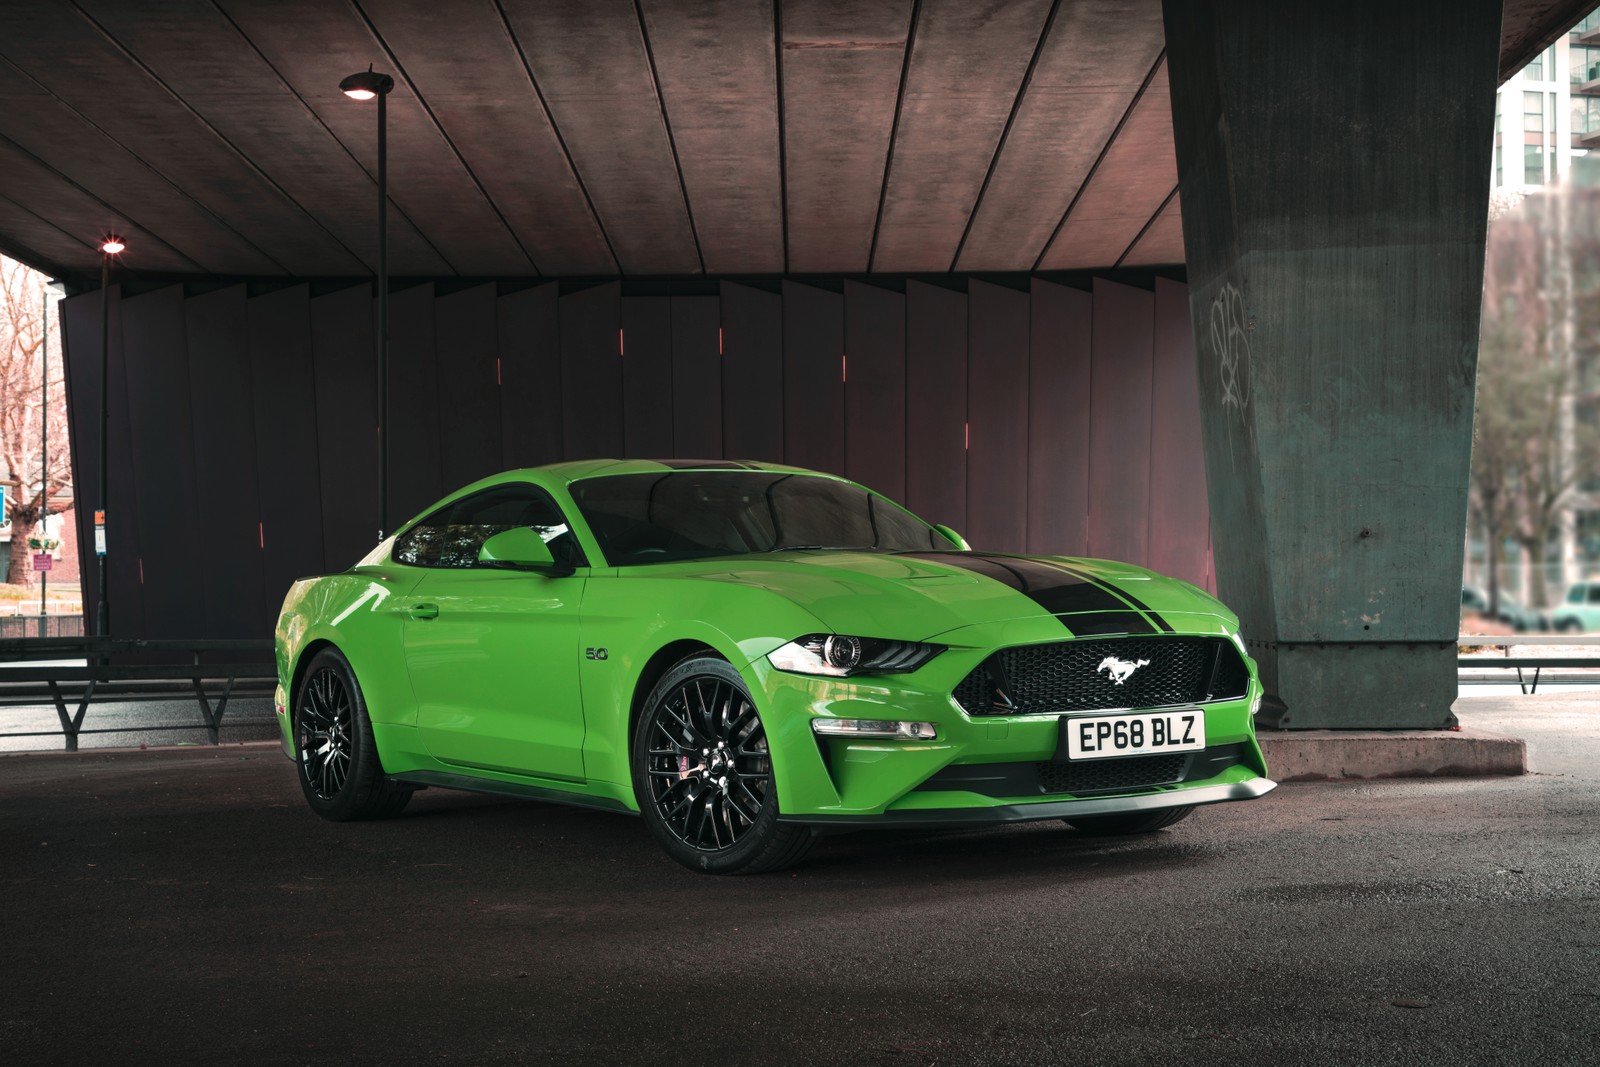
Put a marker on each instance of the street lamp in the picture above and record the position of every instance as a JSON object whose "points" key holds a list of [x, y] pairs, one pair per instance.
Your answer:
{"points": [[111, 246], [367, 85], [44, 440]]}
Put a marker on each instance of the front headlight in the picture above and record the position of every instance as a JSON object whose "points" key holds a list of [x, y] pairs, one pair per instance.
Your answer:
{"points": [[839, 656]]}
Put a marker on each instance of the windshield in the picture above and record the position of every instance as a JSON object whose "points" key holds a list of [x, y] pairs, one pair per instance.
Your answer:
{"points": [[653, 518]]}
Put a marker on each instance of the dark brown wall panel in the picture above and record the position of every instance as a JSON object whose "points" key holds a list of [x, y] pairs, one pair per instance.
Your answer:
{"points": [[1180, 520], [875, 388], [530, 376], [289, 471], [752, 373], [415, 475], [591, 373], [244, 446], [168, 510], [225, 465], [347, 423], [813, 380], [469, 394], [1119, 446], [997, 418], [697, 377], [647, 376], [1058, 420], [936, 404]]}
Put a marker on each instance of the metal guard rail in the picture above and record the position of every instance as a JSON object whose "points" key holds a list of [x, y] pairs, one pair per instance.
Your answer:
{"points": [[121, 670], [1535, 663]]}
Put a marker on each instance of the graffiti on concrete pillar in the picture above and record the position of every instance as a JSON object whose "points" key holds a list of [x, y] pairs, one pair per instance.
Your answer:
{"points": [[1230, 343]]}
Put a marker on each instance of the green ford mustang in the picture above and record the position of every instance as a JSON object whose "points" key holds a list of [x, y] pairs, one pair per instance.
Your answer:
{"points": [[749, 654]]}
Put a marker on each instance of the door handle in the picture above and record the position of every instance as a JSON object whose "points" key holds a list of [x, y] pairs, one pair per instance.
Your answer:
{"points": [[424, 611]]}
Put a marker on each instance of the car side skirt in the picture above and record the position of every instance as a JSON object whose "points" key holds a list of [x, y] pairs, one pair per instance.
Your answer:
{"points": [[524, 790], [1248, 789]]}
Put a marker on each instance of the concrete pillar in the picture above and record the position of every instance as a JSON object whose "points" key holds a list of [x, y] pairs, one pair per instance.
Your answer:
{"points": [[1334, 171]]}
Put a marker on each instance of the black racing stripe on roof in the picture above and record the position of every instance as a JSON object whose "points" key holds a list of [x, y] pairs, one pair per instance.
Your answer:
{"points": [[703, 465], [1057, 590]]}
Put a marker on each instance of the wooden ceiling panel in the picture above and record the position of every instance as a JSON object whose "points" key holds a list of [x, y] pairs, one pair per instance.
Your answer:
{"points": [[842, 62], [596, 138], [1162, 244], [1097, 55], [1131, 182], [590, 62], [427, 181], [65, 51], [463, 61], [714, 62], [967, 65]]}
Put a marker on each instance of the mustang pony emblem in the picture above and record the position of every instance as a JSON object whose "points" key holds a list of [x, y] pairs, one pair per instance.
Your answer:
{"points": [[1120, 670]]}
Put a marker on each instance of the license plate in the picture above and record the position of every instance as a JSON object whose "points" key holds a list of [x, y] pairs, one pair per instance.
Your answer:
{"points": [[1104, 736]]}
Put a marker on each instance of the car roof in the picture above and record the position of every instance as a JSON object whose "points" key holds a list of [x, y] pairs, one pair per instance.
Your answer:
{"points": [[574, 470]]}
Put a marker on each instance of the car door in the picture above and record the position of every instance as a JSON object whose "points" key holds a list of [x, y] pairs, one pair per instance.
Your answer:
{"points": [[493, 654]]}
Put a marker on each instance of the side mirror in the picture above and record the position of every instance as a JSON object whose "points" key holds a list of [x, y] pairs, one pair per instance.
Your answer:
{"points": [[521, 549], [960, 542]]}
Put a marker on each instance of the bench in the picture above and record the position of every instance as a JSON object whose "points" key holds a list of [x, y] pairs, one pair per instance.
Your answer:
{"points": [[116, 670]]}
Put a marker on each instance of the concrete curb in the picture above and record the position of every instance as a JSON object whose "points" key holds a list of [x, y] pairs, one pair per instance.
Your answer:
{"points": [[1320, 755]]}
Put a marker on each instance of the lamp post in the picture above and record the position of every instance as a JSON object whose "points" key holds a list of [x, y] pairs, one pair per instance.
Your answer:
{"points": [[368, 85], [44, 439], [110, 247]]}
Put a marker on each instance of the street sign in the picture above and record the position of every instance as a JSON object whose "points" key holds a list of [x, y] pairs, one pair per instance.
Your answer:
{"points": [[99, 533], [43, 561]]}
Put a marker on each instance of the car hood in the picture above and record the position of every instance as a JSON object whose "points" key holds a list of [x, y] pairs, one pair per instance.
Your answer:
{"points": [[919, 595]]}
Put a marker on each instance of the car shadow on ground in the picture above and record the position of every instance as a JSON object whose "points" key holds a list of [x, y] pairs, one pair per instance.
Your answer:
{"points": [[605, 843]]}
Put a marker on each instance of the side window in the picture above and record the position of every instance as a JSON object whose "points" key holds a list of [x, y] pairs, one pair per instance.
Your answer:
{"points": [[1594, 594], [452, 536], [1575, 595]]}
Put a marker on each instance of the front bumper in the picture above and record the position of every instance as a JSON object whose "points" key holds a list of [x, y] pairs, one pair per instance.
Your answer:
{"points": [[978, 769], [986, 815]]}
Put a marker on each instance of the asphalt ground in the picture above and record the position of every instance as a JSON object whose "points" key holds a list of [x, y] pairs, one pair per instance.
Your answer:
{"points": [[184, 906]]}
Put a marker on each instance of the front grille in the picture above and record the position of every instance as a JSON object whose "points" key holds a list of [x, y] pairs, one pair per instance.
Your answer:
{"points": [[1129, 772], [1075, 675]]}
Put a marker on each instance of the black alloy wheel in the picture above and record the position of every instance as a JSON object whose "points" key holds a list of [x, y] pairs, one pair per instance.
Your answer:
{"points": [[703, 774], [340, 771], [324, 740]]}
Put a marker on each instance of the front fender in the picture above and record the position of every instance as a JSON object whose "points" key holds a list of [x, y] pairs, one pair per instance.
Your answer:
{"points": [[355, 613], [632, 617]]}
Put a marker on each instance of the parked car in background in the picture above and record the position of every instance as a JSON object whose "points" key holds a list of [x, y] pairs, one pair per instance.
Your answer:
{"points": [[1522, 620], [1580, 611]]}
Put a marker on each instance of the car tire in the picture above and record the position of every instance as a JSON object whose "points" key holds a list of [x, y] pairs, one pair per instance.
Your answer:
{"points": [[1134, 822], [339, 768], [1569, 626], [703, 777]]}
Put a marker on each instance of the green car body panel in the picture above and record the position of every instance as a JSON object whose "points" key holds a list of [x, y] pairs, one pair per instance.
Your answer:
{"points": [[529, 683]]}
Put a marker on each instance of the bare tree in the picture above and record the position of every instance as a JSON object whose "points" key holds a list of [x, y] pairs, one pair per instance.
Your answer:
{"points": [[26, 386]]}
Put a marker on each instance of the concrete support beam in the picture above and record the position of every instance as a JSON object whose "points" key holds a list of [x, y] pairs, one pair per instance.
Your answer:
{"points": [[1334, 178]]}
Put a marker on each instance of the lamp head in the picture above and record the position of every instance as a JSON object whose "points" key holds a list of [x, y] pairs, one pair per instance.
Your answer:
{"points": [[112, 245], [366, 85]]}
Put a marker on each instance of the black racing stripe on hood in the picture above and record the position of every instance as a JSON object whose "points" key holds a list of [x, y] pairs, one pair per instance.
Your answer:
{"points": [[1104, 623], [1058, 590], [1162, 624]]}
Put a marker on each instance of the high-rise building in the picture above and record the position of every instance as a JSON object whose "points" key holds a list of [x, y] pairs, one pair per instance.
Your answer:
{"points": [[1548, 114]]}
